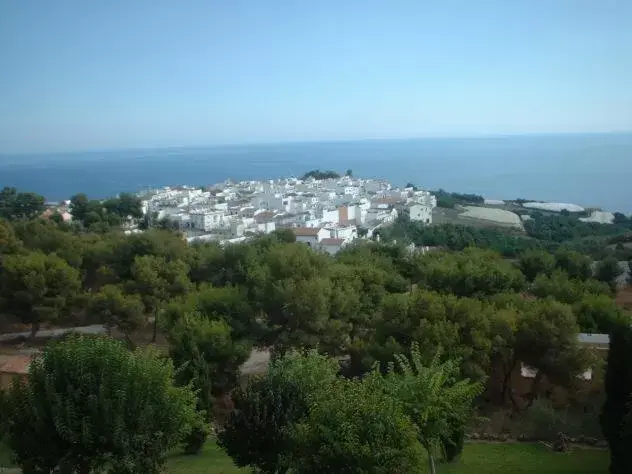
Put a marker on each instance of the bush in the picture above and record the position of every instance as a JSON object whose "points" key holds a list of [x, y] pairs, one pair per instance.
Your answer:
{"points": [[90, 403], [356, 428], [195, 440], [257, 433], [543, 422]]}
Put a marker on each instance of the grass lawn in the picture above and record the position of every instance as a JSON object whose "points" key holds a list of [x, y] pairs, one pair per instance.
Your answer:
{"points": [[211, 460], [521, 458], [518, 458], [5, 456]]}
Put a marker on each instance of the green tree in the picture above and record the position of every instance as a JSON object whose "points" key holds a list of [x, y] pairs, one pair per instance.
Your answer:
{"points": [[598, 314], [574, 264], [608, 270], [90, 405], [19, 205], [617, 407], [356, 428], [9, 242], [472, 272], [229, 304], [126, 205], [536, 262], [79, 207], [349, 173], [215, 357], [37, 288], [546, 340], [434, 398], [115, 309], [156, 280], [565, 289], [258, 432]]}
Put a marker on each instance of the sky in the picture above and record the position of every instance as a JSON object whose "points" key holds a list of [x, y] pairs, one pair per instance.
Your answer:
{"points": [[88, 75]]}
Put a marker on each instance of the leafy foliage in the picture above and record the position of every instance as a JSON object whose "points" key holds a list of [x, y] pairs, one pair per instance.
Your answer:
{"points": [[437, 402], [36, 287], [16, 205], [317, 174], [356, 428], [536, 262], [608, 270], [258, 433], [90, 404], [208, 355]]}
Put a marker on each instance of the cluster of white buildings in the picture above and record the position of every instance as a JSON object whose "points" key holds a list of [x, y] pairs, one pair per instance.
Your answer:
{"points": [[325, 214]]}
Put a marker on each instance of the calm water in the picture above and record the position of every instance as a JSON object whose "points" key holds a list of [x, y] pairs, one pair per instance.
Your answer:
{"points": [[590, 170]]}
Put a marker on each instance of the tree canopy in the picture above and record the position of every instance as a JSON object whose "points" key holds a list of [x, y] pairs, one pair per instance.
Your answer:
{"points": [[90, 405], [318, 174]]}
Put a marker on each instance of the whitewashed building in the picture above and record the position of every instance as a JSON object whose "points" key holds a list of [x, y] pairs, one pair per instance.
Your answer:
{"points": [[421, 212]]}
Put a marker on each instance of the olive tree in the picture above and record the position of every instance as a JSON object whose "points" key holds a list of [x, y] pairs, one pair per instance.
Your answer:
{"points": [[90, 405]]}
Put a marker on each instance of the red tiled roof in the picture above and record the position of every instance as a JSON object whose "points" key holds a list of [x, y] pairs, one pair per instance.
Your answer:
{"points": [[306, 231], [14, 364], [332, 241]]}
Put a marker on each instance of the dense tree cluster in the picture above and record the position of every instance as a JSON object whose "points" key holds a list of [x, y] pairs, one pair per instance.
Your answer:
{"points": [[19, 205], [367, 304], [318, 174], [459, 237], [302, 417], [102, 215], [449, 200], [562, 228], [543, 232], [469, 315]]}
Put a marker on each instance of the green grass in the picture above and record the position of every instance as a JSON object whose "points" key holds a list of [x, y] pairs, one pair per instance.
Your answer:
{"points": [[210, 460], [521, 458], [495, 458], [514, 458]]}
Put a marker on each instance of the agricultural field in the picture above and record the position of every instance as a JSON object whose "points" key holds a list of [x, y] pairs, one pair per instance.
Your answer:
{"points": [[498, 216], [478, 217]]}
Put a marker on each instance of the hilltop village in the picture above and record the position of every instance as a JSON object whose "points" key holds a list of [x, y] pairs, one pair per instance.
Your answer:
{"points": [[326, 213]]}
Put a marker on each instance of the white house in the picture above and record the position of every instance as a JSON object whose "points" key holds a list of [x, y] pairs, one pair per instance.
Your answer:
{"points": [[332, 246], [207, 220], [332, 216], [311, 235], [343, 232], [421, 212]]}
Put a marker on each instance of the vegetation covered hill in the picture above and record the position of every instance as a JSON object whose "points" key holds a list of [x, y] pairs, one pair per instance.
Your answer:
{"points": [[404, 343]]}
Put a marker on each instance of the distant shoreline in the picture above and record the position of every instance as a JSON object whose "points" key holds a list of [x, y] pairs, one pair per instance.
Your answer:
{"points": [[591, 170]]}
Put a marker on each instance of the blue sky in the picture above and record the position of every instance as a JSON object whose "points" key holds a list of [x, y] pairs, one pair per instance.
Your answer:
{"points": [[80, 75]]}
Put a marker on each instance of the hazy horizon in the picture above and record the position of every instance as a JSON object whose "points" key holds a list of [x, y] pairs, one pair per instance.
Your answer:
{"points": [[208, 146], [154, 74]]}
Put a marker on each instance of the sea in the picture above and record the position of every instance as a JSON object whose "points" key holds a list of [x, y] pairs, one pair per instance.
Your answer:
{"points": [[591, 170]]}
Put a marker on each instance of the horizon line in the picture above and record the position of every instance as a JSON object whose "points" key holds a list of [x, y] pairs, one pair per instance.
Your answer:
{"points": [[307, 142]]}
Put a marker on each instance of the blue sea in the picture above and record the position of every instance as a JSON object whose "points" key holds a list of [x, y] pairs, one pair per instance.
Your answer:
{"points": [[589, 170]]}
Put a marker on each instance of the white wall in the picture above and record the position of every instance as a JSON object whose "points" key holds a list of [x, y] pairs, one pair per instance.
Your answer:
{"points": [[419, 212], [331, 216]]}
